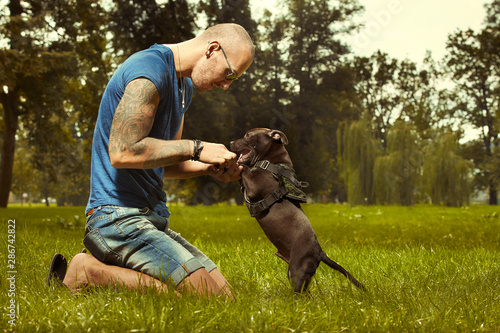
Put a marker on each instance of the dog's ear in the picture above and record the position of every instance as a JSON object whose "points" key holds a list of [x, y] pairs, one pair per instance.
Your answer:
{"points": [[279, 136]]}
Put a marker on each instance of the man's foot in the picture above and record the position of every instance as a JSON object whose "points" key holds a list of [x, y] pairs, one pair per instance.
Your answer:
{"points": [[57, 270]]}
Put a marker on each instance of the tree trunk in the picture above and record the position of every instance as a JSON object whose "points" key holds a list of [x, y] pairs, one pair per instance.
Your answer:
{"points": [[9, 102], [493, 194], [8, 145]]}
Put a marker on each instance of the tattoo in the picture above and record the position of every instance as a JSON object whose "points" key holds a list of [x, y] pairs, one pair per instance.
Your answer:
{"points": [[168, 153], [134, 117], [132, 122]]}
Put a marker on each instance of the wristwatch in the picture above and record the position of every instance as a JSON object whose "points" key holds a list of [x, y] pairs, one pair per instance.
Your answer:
{"points": [[198, 147]]}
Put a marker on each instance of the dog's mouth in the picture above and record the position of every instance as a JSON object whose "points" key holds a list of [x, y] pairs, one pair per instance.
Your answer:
{"points": [[245, 156]]}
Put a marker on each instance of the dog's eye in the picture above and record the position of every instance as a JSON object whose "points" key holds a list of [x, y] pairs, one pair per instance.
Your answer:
{"points": [[247, 135]]}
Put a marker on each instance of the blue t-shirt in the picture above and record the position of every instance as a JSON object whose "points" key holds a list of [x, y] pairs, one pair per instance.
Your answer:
{"points": [[137, 187]]}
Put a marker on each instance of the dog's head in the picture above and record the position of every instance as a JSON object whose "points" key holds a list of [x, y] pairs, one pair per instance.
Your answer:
{"points": [[261, 144]]}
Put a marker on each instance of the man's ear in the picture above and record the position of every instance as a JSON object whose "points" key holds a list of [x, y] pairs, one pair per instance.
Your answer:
{"points": [[212, 47], [279, 136]]}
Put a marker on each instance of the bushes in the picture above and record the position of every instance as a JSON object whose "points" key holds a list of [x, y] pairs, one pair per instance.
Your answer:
{"points": [[404, 170]]}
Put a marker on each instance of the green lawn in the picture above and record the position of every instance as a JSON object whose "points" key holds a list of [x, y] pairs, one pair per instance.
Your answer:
{"points": [[427, 269]]}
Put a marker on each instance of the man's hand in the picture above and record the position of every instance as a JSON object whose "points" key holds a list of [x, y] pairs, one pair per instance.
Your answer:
{"points": [[223, 163], [215, 160], [217, 154], [226, 175]]}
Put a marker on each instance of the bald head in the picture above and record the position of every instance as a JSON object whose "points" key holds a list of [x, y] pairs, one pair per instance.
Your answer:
{"points": [[219, 52], [232, 36]]}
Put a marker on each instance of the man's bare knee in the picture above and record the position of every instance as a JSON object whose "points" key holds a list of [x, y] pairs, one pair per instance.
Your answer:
{"points": [[222, 283], [199, 282]]}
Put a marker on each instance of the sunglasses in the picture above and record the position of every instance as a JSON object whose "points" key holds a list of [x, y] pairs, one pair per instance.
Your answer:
{"points": [[231, 76]]}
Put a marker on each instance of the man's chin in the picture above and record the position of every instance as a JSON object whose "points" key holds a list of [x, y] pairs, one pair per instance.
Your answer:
{"points": [[199, 89]]}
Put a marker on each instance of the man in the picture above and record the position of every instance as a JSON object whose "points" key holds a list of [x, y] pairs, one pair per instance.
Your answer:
{"points": [[137, 142]]}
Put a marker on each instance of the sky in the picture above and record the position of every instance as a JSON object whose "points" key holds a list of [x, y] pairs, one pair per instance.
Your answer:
{"points": [[406, 29]]}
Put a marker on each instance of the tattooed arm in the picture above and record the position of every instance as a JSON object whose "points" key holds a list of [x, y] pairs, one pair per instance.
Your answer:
{"points": [[130, 146], [190, 169]]}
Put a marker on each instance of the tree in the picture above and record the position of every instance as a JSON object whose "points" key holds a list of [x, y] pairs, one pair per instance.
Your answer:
{"points": [[446, 175], [138, 24], [358, 151], [473, 63], [422, 103], [46, 41], [311, 51], [25, 177], [9, 96], [393, 90], [376, 86], [397, 172]]}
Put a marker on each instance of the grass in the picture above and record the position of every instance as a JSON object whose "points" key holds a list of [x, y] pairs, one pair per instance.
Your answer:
{"points": [[427, 268]]}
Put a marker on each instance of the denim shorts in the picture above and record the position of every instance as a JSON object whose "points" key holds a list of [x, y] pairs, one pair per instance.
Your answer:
{"points": [[139, 239]]}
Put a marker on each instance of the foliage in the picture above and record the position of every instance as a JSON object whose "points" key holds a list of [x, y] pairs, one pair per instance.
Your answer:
{"points": [[397, 172], [136, 25], [49, 43], [409, 170], [473, 62], [312, 54], [375, 84], [427, 268], [393, 90], [358, 153], [446, 175], [57, 56]]}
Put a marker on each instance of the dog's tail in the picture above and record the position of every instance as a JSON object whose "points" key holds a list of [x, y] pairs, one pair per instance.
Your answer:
{"points": [[334, 265]]}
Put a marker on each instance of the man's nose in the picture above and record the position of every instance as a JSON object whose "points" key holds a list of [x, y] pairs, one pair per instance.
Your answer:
{"points": [[225, 85]]}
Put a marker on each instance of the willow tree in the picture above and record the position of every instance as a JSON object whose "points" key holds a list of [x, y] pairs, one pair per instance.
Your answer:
{"points": [[358, 151], [446, 175], [397, 173]]}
